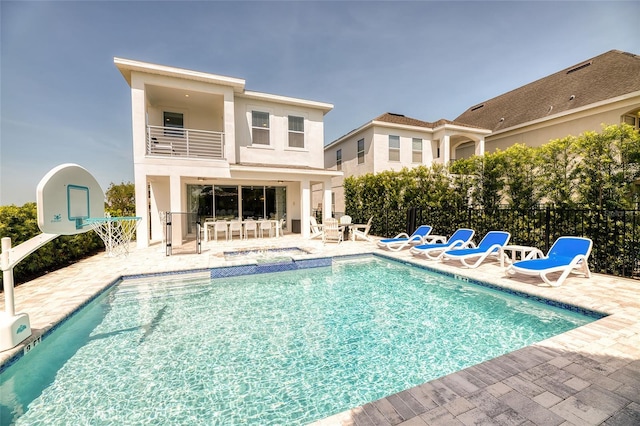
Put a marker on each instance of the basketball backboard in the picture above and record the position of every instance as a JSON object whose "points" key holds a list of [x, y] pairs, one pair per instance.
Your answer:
{"points": [[66, 196]]}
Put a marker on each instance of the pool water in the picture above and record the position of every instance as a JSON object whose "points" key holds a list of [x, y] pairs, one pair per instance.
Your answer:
{"points": [[265, 255], [279, 348]]}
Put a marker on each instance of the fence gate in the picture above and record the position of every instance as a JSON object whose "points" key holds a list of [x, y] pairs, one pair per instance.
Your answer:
{"points": [[193, 235]]}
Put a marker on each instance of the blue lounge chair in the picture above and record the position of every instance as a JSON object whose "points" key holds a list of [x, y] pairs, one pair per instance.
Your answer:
{"points": [[403, 240], [461, 238], [490, 245], [565, 255]]}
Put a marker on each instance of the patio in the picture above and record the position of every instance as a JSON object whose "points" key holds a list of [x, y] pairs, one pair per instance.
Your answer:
{"points": [[590, 375]]}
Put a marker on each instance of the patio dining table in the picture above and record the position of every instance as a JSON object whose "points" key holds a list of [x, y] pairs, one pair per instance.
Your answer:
{"points": [[209, 226]]}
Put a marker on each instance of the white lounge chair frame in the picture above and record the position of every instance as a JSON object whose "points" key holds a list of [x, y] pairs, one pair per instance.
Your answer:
{"points": [[463, 253], [445, 245], [578, 264], [404, 240]]}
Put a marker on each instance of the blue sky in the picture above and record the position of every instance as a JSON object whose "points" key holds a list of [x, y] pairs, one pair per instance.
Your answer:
{"points": [[63, 100]]}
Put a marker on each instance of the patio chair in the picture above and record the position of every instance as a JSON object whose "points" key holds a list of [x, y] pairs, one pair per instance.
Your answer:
{"points": [[235, 227], [489, 246], [250, 226], [265, 225], [220, 226], [345, 220], [332, 231], [403, 240], [316, 230], [461, 238], [566, 255], [361, 231]]}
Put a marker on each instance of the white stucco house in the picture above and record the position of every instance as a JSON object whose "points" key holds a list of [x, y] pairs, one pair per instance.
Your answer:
{"points": [[203, 144], [393, 141]]}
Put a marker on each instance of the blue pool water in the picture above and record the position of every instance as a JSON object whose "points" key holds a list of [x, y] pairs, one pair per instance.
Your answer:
{"points": [[280, 348]]}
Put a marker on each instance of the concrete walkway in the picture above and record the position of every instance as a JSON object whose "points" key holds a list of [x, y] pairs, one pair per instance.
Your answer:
{"points": [[587, 376]]}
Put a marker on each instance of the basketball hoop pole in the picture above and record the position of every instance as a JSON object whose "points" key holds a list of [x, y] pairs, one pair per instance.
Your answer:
{"points": [[14, 329]]}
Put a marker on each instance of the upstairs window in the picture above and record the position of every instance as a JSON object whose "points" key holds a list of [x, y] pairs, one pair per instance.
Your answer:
{"points": [[296, 132], [394, 148], [361, 151], [259, 128], [339, 159], [173, 120], [416, 150]]}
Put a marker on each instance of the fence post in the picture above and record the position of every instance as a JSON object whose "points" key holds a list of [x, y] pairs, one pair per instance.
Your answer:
{"points": [[411, 220], [198, 236], [168, 233], [547, 227]]}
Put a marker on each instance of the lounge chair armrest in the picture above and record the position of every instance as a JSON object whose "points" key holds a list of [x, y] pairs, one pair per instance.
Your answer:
{"points": [[459, 244], [534, 254]]}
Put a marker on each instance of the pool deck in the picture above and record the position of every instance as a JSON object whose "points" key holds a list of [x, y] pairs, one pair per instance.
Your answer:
{"points": [[587, 376]]}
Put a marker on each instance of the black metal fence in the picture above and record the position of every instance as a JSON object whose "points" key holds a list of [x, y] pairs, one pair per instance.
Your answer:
{"points": [[615, 233]]}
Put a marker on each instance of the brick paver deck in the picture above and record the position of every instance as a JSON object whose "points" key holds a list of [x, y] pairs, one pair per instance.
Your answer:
{"points": [[587, 376]]}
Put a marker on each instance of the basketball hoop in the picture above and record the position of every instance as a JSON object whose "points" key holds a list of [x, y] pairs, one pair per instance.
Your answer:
{"points": [[116, 232]]}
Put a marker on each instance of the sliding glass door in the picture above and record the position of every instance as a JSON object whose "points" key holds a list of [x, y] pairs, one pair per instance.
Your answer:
{"points": [[227, 201]]}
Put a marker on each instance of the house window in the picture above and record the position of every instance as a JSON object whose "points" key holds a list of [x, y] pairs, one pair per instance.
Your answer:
{"points": [[260, 128], [173, 120], [416, 150], [296, 132], [361, 151], [339, 159], [394, 148], [631, 120]]}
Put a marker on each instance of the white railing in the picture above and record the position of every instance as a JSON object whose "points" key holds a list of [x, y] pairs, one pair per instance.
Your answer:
{"points": [[173, 142]]}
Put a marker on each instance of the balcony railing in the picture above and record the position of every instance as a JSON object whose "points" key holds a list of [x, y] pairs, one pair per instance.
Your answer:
{"points": [[189, 143]]}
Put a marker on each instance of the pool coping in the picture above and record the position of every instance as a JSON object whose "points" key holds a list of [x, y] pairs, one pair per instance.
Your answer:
{"points": [[609, 345]]}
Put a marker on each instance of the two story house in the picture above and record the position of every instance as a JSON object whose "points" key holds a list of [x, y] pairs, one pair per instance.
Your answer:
{"points": [[393, 141], [204, 145], [602, 90]]}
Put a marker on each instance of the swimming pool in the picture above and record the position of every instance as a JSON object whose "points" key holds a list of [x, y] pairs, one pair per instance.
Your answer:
{"points": [[279, 348]]}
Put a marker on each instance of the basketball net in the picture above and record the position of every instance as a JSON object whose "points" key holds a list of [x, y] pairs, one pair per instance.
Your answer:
{"points": [[116, 232]]}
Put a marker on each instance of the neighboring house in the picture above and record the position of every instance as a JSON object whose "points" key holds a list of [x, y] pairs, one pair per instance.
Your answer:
{"points": [[393, 141], [601, 90], [205, 145]]}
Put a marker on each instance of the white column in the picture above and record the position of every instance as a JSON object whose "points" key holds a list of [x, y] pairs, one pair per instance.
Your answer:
{"points": [[446, 147], [305, 207], [326, 198], [480, 147], [229, 128], [142, 209], [175, 189]]}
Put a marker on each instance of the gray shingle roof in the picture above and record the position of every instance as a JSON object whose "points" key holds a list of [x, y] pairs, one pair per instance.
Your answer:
{"points": [[603, 77], [389, 117]]}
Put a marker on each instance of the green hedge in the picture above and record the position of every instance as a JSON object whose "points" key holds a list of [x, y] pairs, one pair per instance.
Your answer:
{"points": [[20, 224], [595, 171]]}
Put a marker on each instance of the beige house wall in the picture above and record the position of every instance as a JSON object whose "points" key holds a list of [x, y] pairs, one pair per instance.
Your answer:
{"points": [[577, 122]]}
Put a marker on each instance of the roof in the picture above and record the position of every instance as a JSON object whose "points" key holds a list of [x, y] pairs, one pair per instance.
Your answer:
{"points": [[127, 66], [610, 75], [401, 120], [390, 117]]}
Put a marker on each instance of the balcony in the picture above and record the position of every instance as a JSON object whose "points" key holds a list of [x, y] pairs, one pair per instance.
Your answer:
{"points": [[184, 143]]}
